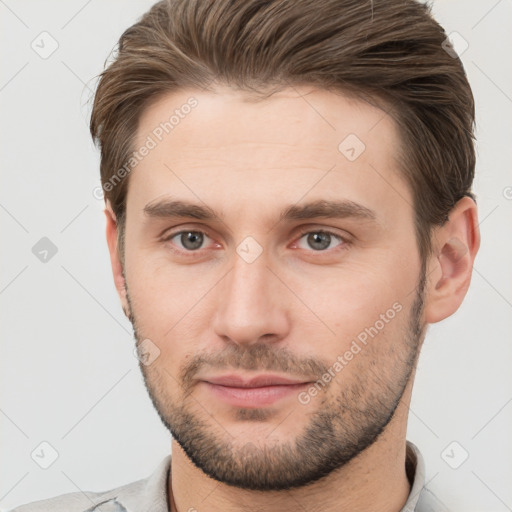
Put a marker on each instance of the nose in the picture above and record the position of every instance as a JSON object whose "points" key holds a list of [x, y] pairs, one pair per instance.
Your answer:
{"points": [[251, 304]]}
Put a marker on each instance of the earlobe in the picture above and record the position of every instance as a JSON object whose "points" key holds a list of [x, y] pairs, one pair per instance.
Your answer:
{"points": [[115, 259], [450, 268]]}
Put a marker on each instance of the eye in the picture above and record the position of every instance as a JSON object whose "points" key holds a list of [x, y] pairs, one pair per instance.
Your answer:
{"points": [[320, 240], [189, 240]]}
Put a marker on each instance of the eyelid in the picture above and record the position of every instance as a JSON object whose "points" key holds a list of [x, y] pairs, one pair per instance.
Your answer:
{"points": [[319, 229], [172, 232]]}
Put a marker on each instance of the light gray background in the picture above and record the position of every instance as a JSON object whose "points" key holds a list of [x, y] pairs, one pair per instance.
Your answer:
{"points": [[68, 374]]}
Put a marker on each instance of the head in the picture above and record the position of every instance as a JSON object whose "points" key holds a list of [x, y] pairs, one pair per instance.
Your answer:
{"points": [[288, 191]]}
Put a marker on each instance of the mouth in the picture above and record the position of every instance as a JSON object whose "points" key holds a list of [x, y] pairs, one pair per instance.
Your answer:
{"points": [[259, 391]]}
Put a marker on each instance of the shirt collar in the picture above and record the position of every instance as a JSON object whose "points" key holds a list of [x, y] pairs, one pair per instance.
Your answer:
{"points": [[150, 494], [415, 468]]}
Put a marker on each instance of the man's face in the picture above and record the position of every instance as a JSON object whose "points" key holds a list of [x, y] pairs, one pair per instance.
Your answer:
{"points": [[330, 302]]}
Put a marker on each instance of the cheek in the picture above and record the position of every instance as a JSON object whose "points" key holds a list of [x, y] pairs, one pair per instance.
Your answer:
{"points": [[360, 314], [367, 359], [172, 307], [352, 298], [164, 292]]}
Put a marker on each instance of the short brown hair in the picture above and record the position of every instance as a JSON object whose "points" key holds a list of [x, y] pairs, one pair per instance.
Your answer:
{"points": [[390, 50]]}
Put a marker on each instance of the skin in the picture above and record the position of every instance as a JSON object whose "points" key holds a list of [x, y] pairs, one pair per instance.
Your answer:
{"points": [[248, 161]]}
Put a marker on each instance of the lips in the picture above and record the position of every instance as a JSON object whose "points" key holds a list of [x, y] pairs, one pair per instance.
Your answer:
{"points": [[236, 381], [259, 391]]}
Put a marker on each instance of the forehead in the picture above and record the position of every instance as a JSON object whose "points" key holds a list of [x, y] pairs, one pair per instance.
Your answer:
{"points": [[300, 141], [289, 117]]}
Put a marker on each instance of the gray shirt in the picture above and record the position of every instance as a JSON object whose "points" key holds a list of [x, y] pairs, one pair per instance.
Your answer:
{"points": [[150, 494]]}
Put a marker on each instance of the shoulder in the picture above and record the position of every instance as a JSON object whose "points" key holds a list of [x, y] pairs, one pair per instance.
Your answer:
{"points": [[82, 501], [147, 494], [429, 502]]}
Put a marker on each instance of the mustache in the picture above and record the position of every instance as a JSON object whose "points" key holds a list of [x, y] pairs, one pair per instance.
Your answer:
{"points": [[256, 357]]}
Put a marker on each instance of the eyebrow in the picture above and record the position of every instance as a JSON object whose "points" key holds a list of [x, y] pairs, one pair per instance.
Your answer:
{"points": [[339, 209]]}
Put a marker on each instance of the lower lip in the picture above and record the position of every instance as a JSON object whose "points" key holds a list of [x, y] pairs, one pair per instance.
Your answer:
{"points": [[254, 397]]}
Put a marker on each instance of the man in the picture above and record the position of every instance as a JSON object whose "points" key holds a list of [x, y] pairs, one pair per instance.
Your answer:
{"points": [[288, 203]]}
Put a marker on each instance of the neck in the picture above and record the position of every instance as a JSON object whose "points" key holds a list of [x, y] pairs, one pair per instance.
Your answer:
{"points": [[374, 480]]}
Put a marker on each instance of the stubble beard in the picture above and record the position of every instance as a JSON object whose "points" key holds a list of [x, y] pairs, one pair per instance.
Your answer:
{"points": [[339, 430]]}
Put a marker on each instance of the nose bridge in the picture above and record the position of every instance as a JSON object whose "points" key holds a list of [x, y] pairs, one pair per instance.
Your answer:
{"points": [[249, 281], [249, 304]]}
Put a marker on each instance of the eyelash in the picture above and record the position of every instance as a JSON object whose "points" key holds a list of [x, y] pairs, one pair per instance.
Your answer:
{"points": [[345, 243]]}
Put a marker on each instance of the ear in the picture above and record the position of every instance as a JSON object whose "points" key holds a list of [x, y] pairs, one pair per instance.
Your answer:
{"points": [[115, 260], [449, 269]]}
